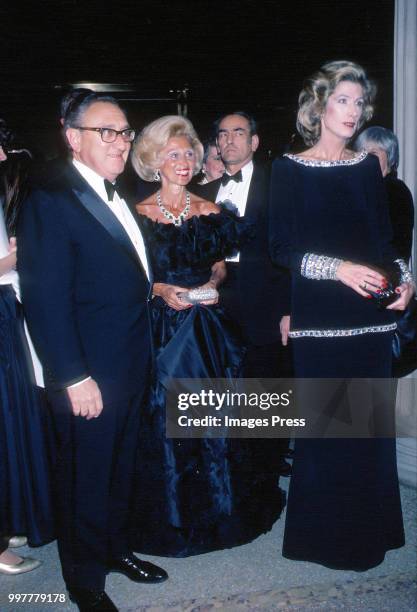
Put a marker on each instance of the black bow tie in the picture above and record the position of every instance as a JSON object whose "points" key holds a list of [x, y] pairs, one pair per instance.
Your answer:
{"points": [[110, 189], [232, 177]]}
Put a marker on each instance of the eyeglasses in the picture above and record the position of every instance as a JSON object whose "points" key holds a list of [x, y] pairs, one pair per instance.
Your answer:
{"points": [[110, 135]]}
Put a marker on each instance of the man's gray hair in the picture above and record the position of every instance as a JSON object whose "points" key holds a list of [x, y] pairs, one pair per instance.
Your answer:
{"points": [[79, 104]]}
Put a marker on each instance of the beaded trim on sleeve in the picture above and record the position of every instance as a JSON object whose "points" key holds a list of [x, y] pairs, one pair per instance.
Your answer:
{"points": [[324, 163], [319, 267], [340, 333], [406, 276]]}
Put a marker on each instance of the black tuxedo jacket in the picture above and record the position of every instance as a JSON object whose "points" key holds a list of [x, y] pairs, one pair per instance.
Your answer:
{"points": [[263, 288], [83, 287]]}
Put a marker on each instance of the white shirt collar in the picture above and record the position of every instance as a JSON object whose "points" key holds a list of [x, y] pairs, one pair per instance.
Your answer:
{"points": [[93, 179], [247, 171]]}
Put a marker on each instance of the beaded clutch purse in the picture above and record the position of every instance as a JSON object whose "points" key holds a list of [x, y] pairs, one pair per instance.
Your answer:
{"points": [[200, 294]]}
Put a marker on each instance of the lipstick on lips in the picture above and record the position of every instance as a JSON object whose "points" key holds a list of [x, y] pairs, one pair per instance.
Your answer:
{"points": [[184, 172]]}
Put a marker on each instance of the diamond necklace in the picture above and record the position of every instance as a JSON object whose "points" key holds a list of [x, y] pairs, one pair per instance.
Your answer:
{"points": [[168, 215]]}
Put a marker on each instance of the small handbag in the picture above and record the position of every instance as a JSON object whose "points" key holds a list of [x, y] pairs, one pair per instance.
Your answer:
{"points": [[384, 297], [199, 294], [404, 344]]}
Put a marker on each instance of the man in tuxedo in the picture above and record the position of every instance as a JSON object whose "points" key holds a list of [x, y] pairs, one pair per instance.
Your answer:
{"points": [[85, 286], [256, 293]]}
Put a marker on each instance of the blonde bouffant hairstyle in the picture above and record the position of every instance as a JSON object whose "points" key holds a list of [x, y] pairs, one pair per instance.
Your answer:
{"points": [[154, 137], [317, 89]]}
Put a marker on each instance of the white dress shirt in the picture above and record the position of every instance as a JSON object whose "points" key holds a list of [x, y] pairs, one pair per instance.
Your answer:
{"points": [[237, 193]]}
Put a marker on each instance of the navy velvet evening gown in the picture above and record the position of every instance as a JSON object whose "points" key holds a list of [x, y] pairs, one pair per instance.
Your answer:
{"points": [[344, 506], [197, 495], [25, 482]]}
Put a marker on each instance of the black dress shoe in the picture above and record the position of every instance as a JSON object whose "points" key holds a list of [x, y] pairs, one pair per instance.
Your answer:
{"points": [[91, 601], [137, 570]]}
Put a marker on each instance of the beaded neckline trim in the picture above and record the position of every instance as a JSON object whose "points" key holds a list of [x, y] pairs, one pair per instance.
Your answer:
{"points": [[338, 333], [315, 163]]}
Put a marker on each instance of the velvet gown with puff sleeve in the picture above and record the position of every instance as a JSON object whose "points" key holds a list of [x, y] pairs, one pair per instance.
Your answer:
{"points": [[343, 506], [197, 495]]}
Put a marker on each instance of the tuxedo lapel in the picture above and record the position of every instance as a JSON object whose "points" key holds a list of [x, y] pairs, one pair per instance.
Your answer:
{"points": [[97, 207], [256, 194]]}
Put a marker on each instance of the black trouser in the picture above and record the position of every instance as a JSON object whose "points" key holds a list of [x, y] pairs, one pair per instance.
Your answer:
{"points": [[94, 469], [268, 361], [272, 360]]}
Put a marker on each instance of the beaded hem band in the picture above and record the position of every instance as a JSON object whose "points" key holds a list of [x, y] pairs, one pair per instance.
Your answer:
{"points": [[319, 267], [406, 276], [340, 333], [316, 163]]}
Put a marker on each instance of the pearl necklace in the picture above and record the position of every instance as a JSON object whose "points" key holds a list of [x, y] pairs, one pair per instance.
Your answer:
{"points": [[168, 215]]}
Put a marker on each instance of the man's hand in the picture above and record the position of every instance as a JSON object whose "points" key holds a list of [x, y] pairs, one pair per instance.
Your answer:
{"points": [[8, 262], [86, 399], [284, 328]]}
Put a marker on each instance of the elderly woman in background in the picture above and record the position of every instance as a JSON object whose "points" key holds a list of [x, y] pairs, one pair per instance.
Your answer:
{"points": [[213, 166], [192, 495], [384, 144], [329, 224]]}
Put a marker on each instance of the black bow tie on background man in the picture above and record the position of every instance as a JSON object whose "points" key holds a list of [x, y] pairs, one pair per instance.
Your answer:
{"points": [[110, 189], [232, 177]]}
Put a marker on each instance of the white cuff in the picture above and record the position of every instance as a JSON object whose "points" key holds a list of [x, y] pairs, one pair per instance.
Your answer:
{"points": [[80, 382]]}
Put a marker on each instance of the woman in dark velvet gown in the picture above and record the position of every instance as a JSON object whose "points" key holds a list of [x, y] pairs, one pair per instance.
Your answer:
{"points": [[328, 211], [192, 495]]}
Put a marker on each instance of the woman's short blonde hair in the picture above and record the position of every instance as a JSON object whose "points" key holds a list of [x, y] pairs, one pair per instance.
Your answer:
{"points": [[154, 137], [317, 89]]}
